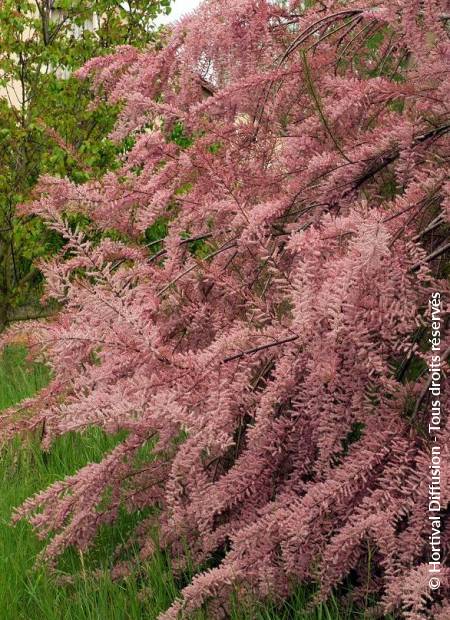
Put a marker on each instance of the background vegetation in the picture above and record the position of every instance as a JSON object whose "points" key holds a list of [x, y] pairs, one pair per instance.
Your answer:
{"points": [[46, 124]]}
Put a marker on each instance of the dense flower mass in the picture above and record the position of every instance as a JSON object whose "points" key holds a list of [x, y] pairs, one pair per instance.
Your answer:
{"points": [[255, 316]]}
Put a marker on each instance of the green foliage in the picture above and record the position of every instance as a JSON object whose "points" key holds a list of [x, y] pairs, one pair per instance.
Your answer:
{"points": [[180, 137], [19, 378], [155, 233], [46, 123], [352, 437]]}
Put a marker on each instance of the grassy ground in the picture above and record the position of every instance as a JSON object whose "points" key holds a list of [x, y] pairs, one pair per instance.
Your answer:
{"points": [[27, 593]]}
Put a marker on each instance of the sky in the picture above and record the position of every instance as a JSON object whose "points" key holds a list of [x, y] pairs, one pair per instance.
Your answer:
{"points": [[179, 7]]}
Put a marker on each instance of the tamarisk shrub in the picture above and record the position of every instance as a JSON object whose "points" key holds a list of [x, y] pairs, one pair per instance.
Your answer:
{"points": [[266, 358]]}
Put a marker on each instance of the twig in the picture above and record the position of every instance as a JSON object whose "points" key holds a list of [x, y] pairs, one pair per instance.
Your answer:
{"points": [[440, 250], [314, 27], [386, 158], [316, 98], [431, 226], [236, 356], [227, 246]]}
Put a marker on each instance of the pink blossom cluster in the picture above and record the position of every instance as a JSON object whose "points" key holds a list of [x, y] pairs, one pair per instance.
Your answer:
{"points": [[268, 355]]}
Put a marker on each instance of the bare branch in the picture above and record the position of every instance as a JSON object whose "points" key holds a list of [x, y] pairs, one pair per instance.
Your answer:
{"points": [[236, 356]]}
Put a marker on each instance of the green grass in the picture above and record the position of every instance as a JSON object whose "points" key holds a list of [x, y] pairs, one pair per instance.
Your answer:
{"points": [[30, 593], [19, 379]]}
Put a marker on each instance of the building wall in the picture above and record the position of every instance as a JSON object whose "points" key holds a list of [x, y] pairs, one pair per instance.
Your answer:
{"points": [[13, 92]]}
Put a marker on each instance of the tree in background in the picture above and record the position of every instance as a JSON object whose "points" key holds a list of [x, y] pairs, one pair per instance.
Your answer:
{"points": [[45, 122], [266, 360]]}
